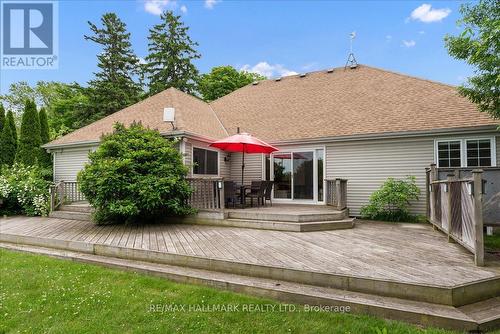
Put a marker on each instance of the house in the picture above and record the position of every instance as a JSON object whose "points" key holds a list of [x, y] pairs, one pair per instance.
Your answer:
{"points": [[363, 124]]}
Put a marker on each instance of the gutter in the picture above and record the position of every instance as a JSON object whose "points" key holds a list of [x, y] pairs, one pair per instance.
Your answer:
{"points": [[171, 134], [404, 134]]}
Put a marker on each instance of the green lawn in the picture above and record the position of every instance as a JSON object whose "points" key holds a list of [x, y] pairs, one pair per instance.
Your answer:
{"points": [[492, 242], [41, 294]]}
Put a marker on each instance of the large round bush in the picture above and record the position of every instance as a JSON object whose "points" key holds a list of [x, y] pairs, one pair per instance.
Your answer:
{"points": [[135, 175]]}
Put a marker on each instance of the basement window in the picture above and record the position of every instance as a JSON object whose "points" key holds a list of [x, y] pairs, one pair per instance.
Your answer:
{"points": [[206, 162]]}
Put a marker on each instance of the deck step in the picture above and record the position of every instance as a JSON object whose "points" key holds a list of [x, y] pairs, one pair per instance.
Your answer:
{"points": [[444, 295], [288, 217], [466, 318], [76, 208], [62, 214], [289, 226]]}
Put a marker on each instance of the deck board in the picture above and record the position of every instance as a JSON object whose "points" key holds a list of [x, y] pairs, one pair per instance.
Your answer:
{"points": [[410, 253]]}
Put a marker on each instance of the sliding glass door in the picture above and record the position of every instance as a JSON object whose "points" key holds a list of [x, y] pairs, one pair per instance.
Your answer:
{"points": [[303, 175], [298, 175], [283, 175]]}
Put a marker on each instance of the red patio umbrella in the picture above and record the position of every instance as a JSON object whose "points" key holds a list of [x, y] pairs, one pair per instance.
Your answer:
{"points": [[245, 143]]}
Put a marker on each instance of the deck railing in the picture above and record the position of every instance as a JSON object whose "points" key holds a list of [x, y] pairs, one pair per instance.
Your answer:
{"points": [[64, 192], [336, 193], [455, 206], [208, 193]]}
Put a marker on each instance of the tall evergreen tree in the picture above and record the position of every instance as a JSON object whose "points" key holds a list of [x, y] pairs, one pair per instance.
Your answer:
{"points": [[12, 123], [44, 126], [171, 52], [2, 117], [44, 137], [7, 143], [30, 140], [114, 87]]}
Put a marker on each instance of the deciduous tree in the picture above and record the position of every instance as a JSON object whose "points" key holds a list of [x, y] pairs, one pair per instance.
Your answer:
{"points": [[44, 138], [479, 46], [223, 80]]}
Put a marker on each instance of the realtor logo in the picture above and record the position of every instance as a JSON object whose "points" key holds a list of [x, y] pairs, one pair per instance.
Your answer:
{"points": [[29, 35]]}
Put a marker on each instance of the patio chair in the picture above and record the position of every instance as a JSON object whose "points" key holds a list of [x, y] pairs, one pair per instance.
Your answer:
{"points": [[257, 189], [268, 192], [230, 195]]}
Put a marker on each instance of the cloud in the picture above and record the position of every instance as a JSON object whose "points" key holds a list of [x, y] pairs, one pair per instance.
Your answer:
{"points": [[409, 44], [156, 7], [211, 3], [421, 32], [184, 9], [142, 61], [388, 38], [268, 70], [425, 13]]}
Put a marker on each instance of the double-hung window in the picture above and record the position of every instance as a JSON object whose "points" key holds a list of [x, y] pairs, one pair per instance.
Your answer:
{"points": [[474, 152], [206, 162], [478, 152], [449, 153]]}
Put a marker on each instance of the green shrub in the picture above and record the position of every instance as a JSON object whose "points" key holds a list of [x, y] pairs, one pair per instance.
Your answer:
{"points": [[392, 201], [23, 190], [135, 174]]}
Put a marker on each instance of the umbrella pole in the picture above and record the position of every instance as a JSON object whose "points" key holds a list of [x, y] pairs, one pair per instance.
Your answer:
{"points": [[243, 164]]}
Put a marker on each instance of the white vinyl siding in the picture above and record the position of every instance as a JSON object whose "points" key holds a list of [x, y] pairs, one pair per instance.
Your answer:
{"points": [[68, 162], [367, 164], [253, 167]]}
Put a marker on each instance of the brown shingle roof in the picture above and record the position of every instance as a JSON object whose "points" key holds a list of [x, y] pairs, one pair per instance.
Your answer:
{"points": [[347, 102], [191, 115]]}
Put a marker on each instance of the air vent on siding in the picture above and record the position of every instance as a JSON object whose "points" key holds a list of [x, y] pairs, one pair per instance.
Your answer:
{"points": [[169, 114]]}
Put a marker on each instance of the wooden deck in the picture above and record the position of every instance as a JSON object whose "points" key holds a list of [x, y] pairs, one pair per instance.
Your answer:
{"points": [[409, 253]]}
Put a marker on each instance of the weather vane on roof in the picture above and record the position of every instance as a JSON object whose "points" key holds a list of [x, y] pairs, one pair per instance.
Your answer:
{"points": [[351, 60]]}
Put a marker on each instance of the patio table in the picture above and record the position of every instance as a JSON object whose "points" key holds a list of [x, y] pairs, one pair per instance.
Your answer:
{"points": [[243, 189]]}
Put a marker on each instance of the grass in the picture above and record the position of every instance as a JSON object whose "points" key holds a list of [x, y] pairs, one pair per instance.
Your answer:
{"points": [[42, 294], [492, 242]]}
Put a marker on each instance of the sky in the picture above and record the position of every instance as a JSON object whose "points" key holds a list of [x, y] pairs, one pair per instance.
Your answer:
{"points": [[274, 38]]}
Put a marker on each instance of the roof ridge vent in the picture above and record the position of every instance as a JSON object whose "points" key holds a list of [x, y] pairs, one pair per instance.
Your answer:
{"points": [[302, 75]]}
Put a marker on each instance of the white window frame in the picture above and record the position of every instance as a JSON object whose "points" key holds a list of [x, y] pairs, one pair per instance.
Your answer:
{"points": [[192, 161], [295, 149], [463, 149], [492, 150]]}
